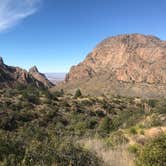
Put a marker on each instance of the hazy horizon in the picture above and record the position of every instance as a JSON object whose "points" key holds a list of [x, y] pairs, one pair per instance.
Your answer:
{"points": [[54, 35]]}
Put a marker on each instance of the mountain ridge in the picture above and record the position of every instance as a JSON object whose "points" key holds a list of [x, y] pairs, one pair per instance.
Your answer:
{"points": [[11, 76]]}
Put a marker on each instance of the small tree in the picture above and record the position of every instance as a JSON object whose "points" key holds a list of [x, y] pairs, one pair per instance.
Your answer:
{"points": [[77, 93]]}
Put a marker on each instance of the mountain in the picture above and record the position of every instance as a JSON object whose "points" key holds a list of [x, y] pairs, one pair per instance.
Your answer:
{"points": [[40, 77], [11, 76], [130, 64]]}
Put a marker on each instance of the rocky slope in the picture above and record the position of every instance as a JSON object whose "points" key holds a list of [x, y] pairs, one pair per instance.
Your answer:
{"points": [[133, 65], [11, 76], [40, 77]]}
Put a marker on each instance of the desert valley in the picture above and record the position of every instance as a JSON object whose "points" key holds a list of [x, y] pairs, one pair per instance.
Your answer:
{"points": [[110, 110], [82, 83]]}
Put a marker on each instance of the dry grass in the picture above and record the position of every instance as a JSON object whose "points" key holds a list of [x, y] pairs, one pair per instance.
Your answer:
{"points": [[111, 157]]}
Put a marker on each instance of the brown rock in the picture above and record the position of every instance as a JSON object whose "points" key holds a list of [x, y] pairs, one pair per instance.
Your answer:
{"points": [[124, 64], [11, 76], [1, 61], [40, 77]]}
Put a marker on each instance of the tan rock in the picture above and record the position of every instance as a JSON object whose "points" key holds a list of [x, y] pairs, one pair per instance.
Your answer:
{"points": [[132, 60]]}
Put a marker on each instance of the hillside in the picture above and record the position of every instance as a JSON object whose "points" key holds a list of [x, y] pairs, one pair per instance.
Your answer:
{"points": [[42, 128], [132, 65], [40, 125]]}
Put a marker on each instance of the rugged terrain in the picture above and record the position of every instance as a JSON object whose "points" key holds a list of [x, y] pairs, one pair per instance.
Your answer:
{"points": [[133, 65], [57, 128], [13, 76], [42, 128]]}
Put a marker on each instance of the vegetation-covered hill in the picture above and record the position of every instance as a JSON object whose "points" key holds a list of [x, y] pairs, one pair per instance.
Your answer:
{"points": [[58, 129]]}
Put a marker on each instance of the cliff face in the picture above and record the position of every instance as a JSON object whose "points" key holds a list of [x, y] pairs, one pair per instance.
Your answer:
{"points": [[128, 58], [10, 76], [40, 77], [120, 61]]}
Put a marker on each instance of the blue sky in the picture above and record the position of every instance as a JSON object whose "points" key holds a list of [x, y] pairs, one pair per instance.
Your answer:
{"points": [[56, 34]]}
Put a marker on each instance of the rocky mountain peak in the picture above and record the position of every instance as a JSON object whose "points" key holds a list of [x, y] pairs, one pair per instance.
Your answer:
{"points": [[10, 76], [1, 61], [130, 59], [40, 76], [33, 69]]}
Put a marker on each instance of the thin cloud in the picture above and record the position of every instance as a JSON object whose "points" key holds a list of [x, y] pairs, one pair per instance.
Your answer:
{"points": [[13, 11]]}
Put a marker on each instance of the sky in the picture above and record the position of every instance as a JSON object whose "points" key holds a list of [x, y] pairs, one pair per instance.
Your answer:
{"points": [[56, 34]]}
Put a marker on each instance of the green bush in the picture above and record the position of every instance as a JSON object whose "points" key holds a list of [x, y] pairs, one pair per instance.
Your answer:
{"points": [[105, 126], [77, 93], [153, 153], [28, 150], [11, 151], [58, 93], [117, 138], [133, 149], [133, 130], [152, 103], [31, 97], [75, 155]]}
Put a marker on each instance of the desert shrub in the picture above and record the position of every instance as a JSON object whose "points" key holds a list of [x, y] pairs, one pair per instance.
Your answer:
{"points": [[20, 87], [161, 109], [86, 103], [100, 113], [27, 116], [117, 138], [77, 93], [92, 122], [11, 151], [133, 149], [75, 155], [153, 121], [40, 154], [9, 92], [31, 96], [15, 106], [58, 93], [152, 103], [126, 118], [8, 122], [108, 108], [133, 130], [49, 97], [153, 153], [105, 126], [80, 128], [142, 132]]}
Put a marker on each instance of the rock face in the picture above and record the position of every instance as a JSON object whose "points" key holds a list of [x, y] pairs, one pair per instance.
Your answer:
{"points": [[126, 64], [40, 77], [11, 76]]}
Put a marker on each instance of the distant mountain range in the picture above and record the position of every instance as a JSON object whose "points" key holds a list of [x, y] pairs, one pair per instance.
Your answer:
{"points": [[56, 77], [128, 65]]}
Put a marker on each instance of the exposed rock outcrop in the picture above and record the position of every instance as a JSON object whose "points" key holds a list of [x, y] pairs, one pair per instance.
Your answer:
{"points": [[126, 64], [11, 76], [40, 77]]}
